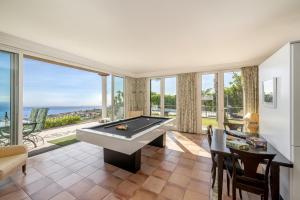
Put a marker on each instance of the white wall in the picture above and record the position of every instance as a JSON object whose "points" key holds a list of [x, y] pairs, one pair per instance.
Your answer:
{"points": [[275, 123]]}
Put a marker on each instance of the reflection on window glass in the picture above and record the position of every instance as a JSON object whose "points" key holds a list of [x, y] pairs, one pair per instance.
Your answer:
{"points": [[118, 98], [155, 97], [170, 97], [209, 98], [233, 97], [5, 68]]}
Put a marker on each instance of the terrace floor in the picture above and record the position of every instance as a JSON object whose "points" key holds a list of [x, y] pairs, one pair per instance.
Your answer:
{"points": [[179, 171], [59, 132]]}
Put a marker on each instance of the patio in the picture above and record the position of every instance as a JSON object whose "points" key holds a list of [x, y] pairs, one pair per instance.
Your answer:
{"points": [[59, 132]]}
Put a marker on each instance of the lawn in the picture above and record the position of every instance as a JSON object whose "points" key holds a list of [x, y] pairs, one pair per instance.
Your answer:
{"points": [[63, 141], [214, 122]]}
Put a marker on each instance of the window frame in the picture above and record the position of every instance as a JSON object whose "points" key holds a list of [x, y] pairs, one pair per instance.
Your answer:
{"points": [[220, 99], [162, 92]]}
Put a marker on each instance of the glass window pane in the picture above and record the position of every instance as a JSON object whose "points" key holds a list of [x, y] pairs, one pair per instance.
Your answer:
{"points": [[233, 97], [5, 82], [170, 97], [155, 109], [109, 97], [118, 98], [71, 95], [209, 104]]}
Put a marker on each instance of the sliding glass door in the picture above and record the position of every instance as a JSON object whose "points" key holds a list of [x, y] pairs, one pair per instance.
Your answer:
{"points": [[233, 97], [163, 96], [155, 97], [209, 103], [170, 97], [115, 97], [118, 98], [221, 98], [6, 92]]}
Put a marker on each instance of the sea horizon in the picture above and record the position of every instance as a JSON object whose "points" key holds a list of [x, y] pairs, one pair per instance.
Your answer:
{"points": [[53, 110]]}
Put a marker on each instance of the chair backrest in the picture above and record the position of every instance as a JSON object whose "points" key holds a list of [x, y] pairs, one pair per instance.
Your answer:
{"points": [[33, 114], [233, 126], [251, 162], [40, 119], [209, 134]]}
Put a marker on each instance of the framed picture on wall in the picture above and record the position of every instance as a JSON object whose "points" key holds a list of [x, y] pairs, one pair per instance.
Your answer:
{"points": [[269, 92]]}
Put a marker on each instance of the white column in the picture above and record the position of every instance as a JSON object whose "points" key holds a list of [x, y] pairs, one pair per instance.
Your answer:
{"points": [[104, 94], [19, 96]]}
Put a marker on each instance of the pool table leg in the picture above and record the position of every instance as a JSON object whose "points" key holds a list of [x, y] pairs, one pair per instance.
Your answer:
{"points": [[160, 141], [130, 163]]}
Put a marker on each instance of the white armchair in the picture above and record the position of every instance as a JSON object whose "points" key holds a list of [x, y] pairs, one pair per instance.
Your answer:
{"points": [[11, 159]]}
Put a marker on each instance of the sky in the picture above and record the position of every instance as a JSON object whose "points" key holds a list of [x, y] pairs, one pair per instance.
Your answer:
{"points": [[48, 84], [4, 77], [170, 85], [207, 82]]}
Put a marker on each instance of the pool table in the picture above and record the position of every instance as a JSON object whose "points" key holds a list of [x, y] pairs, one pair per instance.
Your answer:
{"points": [[122, 148]]}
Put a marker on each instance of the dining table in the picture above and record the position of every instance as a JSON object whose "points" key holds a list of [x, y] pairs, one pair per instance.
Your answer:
{"points": [[219, 148]]}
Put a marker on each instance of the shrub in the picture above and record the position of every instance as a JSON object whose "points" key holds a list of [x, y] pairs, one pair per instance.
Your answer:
{"points": [[61, 121]]}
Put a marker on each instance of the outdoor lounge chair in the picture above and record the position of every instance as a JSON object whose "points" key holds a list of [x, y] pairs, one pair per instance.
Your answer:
{"points": [[33, 135], [33, 114]]}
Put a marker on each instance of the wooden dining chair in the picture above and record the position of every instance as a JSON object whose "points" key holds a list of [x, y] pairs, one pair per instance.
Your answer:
{"points": [[233, 126], [247, 178], [214, 160]]}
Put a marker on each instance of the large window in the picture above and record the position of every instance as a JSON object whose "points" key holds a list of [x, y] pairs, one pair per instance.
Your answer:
{"points": [[222, 98], [155, 97], [68, 95], [233, 97], [163, 96], [5, 95], [9, 101], [170, 97], [209, 104]]}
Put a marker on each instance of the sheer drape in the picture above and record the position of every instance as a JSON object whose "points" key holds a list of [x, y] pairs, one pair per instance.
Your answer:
{"points": [[187, 103], [135, 95], [250, 87]]}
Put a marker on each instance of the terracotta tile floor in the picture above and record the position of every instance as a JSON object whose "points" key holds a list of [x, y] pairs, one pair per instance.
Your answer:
{"points": [[181, 171]]}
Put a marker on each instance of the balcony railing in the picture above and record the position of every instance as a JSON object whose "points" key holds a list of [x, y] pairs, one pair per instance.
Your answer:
{"points": [[230, 112]]}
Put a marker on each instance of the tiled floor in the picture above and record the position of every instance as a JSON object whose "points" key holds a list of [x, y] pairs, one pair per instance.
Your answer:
{"points": [[179, 171]]}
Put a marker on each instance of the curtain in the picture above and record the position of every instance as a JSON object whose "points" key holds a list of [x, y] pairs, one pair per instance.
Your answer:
{"points": [[186, 113], [141, 95], [130, 100], [135, 95], [250, 89]]}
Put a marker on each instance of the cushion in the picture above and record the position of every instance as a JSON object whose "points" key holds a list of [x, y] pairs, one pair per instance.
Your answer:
{"points": [[12, 150], [9, 164]]}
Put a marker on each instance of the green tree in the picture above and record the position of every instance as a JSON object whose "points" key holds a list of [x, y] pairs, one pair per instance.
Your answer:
{"points": [[119, 104], [233, 95]]}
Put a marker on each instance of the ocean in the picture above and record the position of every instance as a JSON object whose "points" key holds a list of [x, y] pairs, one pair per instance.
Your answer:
{"points": [[52, 109]]}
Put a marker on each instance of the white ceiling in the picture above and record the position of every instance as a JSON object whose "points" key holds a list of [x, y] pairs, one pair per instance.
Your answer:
{"points": [[149, 37]]}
